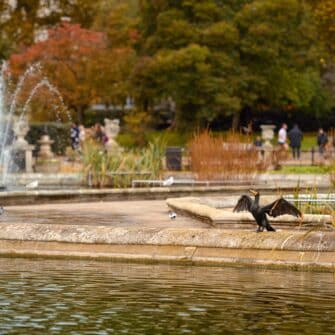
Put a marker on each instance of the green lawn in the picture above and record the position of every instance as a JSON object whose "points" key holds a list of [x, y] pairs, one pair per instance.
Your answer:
{"points": [[321, 169], [309, 141]]}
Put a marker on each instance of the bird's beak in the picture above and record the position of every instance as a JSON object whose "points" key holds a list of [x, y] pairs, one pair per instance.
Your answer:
{"points": [[253, 192]]}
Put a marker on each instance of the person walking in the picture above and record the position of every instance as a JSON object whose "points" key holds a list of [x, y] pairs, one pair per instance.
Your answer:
{"points": [[98, 133], [295, 136], [282, 136], [322, 140], [74, 136], [258, 144]]}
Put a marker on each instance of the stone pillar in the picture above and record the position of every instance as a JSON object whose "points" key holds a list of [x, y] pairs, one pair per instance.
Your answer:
{"points": [[267, 135], [22, 150]]}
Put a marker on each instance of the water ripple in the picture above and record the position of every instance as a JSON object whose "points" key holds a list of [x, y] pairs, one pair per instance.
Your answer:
{"points": [[83, 297]]}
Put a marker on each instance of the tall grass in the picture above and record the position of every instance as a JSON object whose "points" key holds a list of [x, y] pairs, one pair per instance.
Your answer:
{"points": [[118, 169], [229, 157]]}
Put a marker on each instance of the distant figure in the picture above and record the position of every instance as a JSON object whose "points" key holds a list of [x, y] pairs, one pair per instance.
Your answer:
{"points": [[282, 136], [295, 136], [82, 134], [248, 129], [258, 143], [322, 140], [74, 135], [98, 133]]}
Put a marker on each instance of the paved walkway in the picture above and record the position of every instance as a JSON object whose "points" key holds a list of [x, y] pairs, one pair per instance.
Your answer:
{"points": [[140, 214]]}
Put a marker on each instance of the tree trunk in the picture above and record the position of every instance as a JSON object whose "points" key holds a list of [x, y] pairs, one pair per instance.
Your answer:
{"points": [[80, 114], [236, 120]]}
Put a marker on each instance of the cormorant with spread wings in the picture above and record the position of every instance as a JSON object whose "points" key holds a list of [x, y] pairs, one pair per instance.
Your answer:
{"points": [[276, 208]]}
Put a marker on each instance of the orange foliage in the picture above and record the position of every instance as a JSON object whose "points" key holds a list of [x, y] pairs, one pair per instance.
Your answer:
{"points": [[71, 59], [219, 158]]}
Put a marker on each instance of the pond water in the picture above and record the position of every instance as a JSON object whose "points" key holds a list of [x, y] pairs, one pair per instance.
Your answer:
{"points": [[86, 297]]}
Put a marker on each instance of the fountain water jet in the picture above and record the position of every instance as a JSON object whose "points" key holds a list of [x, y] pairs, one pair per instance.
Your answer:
{"points": [[8, 109]]}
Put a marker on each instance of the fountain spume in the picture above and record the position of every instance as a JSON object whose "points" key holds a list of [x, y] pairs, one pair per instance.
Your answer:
{"points": [[13, 118]]}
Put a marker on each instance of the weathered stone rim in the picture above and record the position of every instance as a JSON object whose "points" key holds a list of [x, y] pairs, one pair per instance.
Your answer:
{"points": [[180, 256], [195, 207], [286, 249]]}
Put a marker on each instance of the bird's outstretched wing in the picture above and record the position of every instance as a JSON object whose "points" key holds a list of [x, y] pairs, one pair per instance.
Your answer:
{"points": [[243, 204], [281, 207]]}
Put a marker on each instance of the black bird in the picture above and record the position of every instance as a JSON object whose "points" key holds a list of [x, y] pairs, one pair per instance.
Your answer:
{"points": [[276, 208]]}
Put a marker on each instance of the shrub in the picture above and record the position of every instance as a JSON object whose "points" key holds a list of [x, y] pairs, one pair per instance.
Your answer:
{"points": [[58, 132], [118, 169], [222, 158]]}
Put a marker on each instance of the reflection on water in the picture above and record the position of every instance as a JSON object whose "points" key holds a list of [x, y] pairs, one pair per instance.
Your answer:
{"points": [[68, 218], [83, 297]]}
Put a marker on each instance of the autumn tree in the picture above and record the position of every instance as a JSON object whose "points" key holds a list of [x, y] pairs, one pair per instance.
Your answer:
{"points": [[22, 22], [71, 59]]}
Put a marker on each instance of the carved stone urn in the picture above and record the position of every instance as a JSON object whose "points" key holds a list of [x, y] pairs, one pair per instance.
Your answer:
{"points": [[112, 129], [267, 135], [46, 161]]}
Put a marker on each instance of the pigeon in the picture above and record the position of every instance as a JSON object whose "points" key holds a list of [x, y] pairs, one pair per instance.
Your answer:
{"points": [[2, 210], [172, 215], [32, 185], [168, 182]]}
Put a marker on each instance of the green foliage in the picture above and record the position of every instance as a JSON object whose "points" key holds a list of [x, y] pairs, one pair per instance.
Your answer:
{"points": [[171, 138], [276, 48], [58, 132], [136, 123], [216, 57]]}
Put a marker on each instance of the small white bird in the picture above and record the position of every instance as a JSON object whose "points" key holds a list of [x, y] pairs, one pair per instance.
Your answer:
{"points": [[32, 185], [169, 181], [172, 215]]}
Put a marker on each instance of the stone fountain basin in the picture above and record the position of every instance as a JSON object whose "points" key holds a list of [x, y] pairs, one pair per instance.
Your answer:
{"points": [[142, 231], [218, 212]]}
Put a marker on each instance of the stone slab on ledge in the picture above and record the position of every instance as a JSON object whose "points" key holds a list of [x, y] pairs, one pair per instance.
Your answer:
{"points": [[206, 209]]}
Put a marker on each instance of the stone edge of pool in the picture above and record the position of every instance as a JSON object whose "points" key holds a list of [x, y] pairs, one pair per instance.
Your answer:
{"points": [[217, 217], [20, 197], [291, 249]]}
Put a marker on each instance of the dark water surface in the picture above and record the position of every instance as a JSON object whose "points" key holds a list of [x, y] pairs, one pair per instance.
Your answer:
{"points": [[86, 297]]}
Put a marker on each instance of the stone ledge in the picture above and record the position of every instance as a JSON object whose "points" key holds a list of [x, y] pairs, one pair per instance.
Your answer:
{"points": [[309, 260], [196, 207], [190, 237]]}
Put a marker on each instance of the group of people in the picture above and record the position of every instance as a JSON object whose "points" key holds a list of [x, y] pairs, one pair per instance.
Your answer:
{"points": [[295, 137], [78, 135]]}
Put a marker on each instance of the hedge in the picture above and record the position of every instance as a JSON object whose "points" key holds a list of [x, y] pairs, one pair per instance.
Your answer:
{"points": [[58, 132]]}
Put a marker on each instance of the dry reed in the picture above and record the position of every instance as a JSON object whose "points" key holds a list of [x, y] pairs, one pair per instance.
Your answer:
{"points": [[232, 157]]}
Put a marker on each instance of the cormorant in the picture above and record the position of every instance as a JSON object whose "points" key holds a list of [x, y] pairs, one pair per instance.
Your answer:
{"points": [[276, 208]]}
